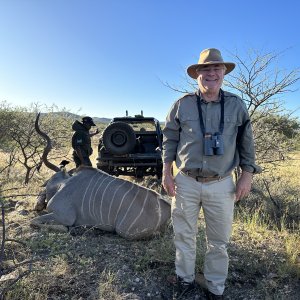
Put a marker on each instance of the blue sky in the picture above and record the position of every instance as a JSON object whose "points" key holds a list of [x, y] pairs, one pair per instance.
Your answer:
{"points": [[104, 57]]}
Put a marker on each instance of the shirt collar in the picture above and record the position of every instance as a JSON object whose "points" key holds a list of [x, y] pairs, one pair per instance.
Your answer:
{"points": [[198, 93]]}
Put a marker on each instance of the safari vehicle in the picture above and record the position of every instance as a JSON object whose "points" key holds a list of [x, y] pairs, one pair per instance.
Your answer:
{"points": [[131, 146]]}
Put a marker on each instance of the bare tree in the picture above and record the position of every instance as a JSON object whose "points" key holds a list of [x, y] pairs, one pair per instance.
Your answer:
{"points": [[24, 138], [26, 146], [260, 83]]}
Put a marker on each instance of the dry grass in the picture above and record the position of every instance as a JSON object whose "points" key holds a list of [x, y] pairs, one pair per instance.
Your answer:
{"points": [[92, 264], [289, 172]]}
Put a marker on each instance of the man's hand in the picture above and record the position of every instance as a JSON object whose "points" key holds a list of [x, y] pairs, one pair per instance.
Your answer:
{"points": [[168, 180], [168, 184], [94, 133], [243, 185]]}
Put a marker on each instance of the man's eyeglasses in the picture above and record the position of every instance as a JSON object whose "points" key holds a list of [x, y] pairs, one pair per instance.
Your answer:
{"points": [[217, 69]]}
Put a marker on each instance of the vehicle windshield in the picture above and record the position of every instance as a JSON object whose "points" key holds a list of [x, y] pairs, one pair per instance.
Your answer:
{"points": [[149, 126]]}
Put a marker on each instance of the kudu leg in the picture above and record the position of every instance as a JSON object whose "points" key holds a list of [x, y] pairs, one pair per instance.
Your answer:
{"points": [[48, 222]]}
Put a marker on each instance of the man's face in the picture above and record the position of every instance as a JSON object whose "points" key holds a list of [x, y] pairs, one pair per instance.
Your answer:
{"points": [[210, 77]]}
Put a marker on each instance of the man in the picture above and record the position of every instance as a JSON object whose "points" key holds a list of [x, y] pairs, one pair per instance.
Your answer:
{"points": [[208, 134], [81, 141]]}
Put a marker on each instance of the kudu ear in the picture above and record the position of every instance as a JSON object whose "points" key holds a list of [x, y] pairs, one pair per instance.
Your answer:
{"points": [[48, 146]]}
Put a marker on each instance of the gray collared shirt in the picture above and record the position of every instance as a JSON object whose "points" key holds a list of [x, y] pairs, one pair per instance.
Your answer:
{"points": [[183, 139]]}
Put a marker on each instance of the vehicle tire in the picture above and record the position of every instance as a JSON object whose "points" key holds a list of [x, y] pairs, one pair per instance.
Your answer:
{"points": [[119, 138]]}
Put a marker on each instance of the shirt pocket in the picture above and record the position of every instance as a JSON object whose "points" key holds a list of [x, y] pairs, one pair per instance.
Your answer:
{"points": [[190, 124], [230, 125]]}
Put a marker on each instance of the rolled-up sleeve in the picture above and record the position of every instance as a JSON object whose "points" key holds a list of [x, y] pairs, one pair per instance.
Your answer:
{"points": [[171, 134]]}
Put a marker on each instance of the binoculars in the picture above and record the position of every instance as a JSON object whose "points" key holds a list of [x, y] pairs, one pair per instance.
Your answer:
{"points": [[213, 144]]}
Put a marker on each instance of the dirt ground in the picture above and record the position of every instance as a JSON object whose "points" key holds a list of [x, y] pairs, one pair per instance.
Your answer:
{"points": [[88, 263]]}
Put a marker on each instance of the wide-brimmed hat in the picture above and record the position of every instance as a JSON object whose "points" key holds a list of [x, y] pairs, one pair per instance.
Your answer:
{"points": [[88, 120], [210, 56]]}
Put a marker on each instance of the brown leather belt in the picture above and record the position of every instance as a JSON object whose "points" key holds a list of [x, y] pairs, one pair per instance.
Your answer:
{"points": [[202, 179]]}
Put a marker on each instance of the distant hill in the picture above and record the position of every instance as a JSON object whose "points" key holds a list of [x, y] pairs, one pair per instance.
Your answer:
{"points": [[78, 117], [101, 120], [96, 119]]}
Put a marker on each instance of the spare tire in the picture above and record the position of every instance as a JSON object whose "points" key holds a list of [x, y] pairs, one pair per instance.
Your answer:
{"points": [[119, 138]]}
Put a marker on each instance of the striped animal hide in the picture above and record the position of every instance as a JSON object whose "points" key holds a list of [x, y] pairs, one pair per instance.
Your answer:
{"points": [[93, 198]]}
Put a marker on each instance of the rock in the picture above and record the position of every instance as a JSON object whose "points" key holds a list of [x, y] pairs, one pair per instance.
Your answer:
{"points": [[272, 275], [23, 212], [10, 276]]}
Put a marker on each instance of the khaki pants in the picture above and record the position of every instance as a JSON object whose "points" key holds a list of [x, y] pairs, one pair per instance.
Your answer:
{"points": [[217, 201]]}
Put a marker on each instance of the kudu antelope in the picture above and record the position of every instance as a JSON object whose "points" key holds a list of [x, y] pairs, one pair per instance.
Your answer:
{"points": [[92, 197]]}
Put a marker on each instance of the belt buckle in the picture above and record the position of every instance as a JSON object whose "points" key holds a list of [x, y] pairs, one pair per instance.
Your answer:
{"points": [[207, 179], [201, 178]]}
